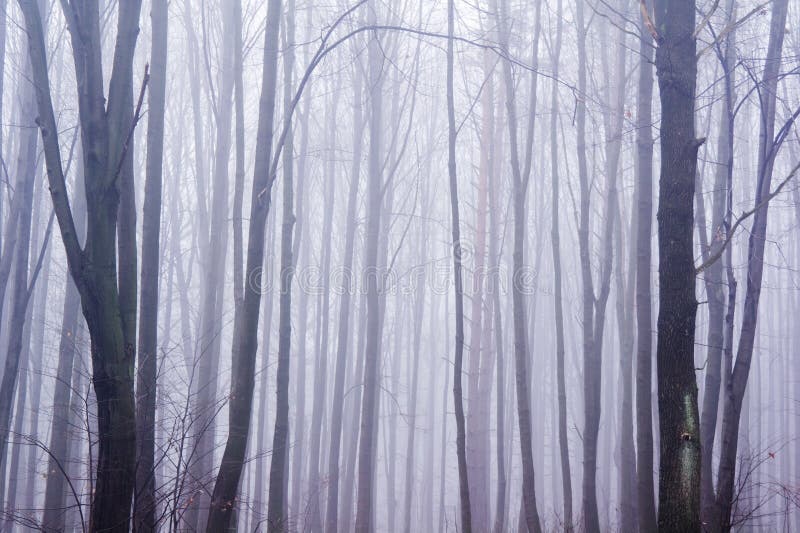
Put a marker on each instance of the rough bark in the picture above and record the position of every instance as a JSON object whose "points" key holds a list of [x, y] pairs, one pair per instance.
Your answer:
{"points": [[679, 471]]}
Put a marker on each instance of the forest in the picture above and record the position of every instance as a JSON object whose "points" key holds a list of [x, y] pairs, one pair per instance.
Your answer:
{"points": [[399, 266]]}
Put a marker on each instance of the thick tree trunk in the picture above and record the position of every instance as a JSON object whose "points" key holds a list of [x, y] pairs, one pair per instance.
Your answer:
{"points": [[676, 64], [145, 500], [106, 134]]}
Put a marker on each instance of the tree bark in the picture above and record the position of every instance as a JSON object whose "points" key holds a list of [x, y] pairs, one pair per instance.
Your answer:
{"points": [[679, 471]]}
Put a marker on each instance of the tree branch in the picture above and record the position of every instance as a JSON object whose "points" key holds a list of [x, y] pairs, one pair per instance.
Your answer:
{"points": [[744, 216]]}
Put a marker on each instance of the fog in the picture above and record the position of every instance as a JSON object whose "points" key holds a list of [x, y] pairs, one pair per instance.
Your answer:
{"points": [[399, 265]]}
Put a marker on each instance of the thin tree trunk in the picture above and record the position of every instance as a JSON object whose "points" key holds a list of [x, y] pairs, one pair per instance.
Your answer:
{"points": [[321, 372], [466, 518], [332, 511], [259, 502], [145, 500], [26, 174], [521, 355], [737, 384], [56, 495], [555, 239], [645, 488], [245, 328], [213, 292], [36, 370], [713, 277], [369, 404]]}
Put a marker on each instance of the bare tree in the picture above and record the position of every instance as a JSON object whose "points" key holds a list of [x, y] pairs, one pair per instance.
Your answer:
{"points": [[768, 147], [105, 138], [145, 500], [676, 63], [243, 355]]}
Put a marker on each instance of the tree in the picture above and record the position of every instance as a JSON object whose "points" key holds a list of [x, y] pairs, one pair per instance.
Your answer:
{"points": [[463, 485], [555, 239], [520, 180], [346, 290], [736, 384], [105, 135], [679, 471], [375, 181], [645, 488], [145, 501], [243, 356]]}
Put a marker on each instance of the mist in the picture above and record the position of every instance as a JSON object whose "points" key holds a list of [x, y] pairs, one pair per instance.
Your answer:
{"points": [[399, 266]]}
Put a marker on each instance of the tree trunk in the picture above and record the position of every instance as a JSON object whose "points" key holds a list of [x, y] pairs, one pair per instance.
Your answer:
{"points": [[366, 452], [213, 291], [466, 518], [346, 291], [676, 64], [56, 496], [145, 500], [25, 178], [563, 440], [245, 327], [736, 385], [713, 277], [645, 488], [321, 371]]}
